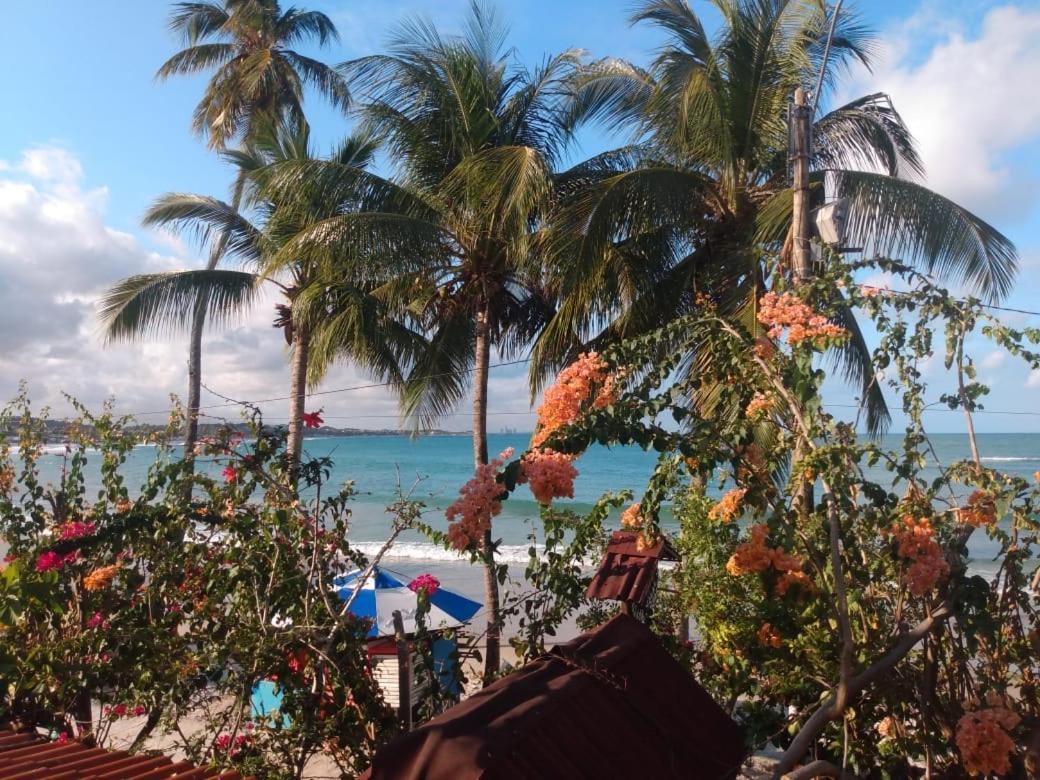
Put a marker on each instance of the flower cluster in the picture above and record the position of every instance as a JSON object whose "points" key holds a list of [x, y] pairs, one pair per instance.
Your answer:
{"points": [[101, 578], [117, 711], [916, 539], [753, 555], [550, 474], [312, 419], [728, 508], [759, 404], [768, 637], [479, 500], [97, 620], [235, 745], [230, 474], [983, 741], [802, 323], [756, 556], [426, 583], [981, 510], [75, 529], [7, 477], [51, 560], [631, 517], [574, 387]]}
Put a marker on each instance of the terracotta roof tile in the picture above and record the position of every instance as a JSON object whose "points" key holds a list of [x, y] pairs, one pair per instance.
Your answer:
{"points": [[25, 755]]}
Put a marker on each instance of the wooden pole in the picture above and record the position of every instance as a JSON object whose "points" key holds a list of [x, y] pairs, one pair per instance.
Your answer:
{"points": [[404, 672], [801, 230]]}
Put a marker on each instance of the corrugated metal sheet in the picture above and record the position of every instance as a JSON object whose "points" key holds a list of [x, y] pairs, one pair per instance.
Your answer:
{"points": [[611, 703], [627, 573], [24, 755]]}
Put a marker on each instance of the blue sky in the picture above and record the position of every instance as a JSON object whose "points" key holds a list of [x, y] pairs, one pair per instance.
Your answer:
{"points": [[90, 139]]}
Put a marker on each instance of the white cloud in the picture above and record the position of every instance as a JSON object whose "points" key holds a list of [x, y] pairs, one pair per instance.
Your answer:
{"points": [[1033, 380], [968, 103], [993, 360]]}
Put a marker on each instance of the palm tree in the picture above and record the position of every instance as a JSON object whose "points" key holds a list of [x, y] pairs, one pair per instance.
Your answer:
{"points": [[704, 188], [476, 141], [258, 79], [166, 302]]}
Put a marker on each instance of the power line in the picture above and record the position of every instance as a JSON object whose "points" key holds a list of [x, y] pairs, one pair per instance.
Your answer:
{"points": [[317, 393], [994, 306]]}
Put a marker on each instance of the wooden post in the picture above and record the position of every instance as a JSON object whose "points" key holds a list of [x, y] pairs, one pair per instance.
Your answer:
{"points": [[801, 230], [404, 672]]}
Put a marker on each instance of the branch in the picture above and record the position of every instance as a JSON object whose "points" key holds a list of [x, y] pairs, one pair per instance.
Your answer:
{"points": [[819, 769], [827, 712]]}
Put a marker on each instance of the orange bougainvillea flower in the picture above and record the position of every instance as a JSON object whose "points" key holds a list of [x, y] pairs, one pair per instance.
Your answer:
{"points": [[981, 510], [100, 578], [768, 637], [728, 508], [752, 555], [550, 474], [790, 579], [759, 404], [916, 540], [983, 740], [573, 388], [631, 518], [788, 311], [479, 500]]}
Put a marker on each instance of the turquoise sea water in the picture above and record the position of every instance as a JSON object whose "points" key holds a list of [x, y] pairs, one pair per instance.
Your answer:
{"points": [[432, 468]]}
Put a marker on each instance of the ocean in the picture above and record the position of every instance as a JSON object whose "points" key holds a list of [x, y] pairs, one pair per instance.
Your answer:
{"points": [[432, 468]]}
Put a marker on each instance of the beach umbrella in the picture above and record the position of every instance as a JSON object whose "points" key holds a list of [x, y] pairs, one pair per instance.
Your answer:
{"points": [[382, 593]]}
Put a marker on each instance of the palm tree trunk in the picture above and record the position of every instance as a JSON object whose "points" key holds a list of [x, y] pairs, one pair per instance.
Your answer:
{"points": [[198, 324], [480, 457], [297, 398]]}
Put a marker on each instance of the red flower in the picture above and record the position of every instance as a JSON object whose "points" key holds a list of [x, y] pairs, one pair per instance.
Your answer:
{"points": [[223, 742], [96, 620], [312, 419], [230, 473], [51, 560], [425, 582], [140, 710], [75, 529], [64, 737]]}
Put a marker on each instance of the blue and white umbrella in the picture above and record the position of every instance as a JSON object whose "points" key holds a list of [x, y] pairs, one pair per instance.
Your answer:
{"points": [[382, 593]]}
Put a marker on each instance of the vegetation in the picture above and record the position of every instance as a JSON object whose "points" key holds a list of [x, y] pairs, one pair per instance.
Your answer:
{"points": [[836, 615]]}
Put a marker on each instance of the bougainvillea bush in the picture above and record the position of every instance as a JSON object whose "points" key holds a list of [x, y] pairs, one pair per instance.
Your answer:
{"points": [[168, 603], [836, 616]]}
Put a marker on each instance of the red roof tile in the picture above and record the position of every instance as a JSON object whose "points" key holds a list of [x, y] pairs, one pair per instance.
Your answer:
{"points": [[611, 703], [627, 573], [25, 755]]}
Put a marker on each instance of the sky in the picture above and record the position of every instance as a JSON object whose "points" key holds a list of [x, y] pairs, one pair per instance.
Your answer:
{"points": [[90, 139]]}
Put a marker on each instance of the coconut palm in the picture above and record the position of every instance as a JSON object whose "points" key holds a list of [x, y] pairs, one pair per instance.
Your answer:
{"points": [[476, 140], [166, 302], [258, 79], [691, 206]]}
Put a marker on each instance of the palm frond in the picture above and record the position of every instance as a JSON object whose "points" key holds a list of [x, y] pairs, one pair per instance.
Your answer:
{"points": [[867, 132], [895, 217], [203, 218], [441, 375], [195, 59], [165, 304]]}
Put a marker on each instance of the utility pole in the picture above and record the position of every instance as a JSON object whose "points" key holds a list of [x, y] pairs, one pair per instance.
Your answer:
{"points": [[801, 229]]}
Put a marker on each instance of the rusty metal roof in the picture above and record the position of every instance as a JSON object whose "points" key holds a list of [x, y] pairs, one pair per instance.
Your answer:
{"points": [[25, 755], [611, 703], [627, 573]]}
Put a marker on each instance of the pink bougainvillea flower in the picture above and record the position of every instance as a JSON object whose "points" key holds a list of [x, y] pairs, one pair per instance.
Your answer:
{"points": [[223, 742], [74, 529], [230, 474], [140, 710], [51, 560], [479, 500], [425, 582], [312, 419], [97, 620]]}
